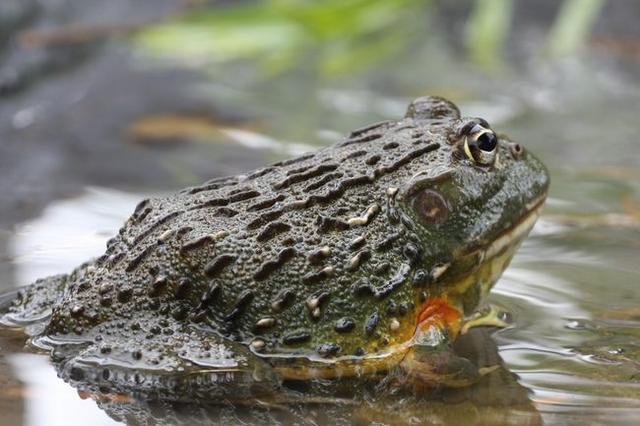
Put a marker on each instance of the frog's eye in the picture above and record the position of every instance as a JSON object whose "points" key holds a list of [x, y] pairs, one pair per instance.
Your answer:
{"points": [[430, 207], [481, 145]]}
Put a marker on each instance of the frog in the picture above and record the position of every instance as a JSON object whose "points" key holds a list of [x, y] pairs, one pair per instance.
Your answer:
{"points": [[365, 259]]}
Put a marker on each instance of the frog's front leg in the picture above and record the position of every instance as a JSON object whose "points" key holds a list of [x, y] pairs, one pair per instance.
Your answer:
{"points": [[489, 316], [431, 359]]}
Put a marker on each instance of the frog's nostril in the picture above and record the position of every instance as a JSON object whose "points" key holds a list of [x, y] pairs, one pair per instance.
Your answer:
{"points": [[517, 150]]}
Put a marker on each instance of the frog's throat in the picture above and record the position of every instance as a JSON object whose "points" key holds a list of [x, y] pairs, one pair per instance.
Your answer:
{"points": [[495, 258], [447, 312]]}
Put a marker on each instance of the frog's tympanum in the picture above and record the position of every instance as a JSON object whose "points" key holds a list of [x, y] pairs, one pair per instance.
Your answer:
{"points": [[364, 259]]}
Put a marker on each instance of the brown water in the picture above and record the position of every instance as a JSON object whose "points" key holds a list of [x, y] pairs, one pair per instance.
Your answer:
{"points": [[572, 289]]}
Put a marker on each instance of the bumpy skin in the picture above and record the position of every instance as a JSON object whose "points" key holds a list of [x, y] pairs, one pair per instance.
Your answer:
{"points": [[329, 255]]}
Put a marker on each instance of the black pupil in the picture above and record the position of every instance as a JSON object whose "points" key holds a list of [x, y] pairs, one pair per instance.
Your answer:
{"points": [[487, 141]]}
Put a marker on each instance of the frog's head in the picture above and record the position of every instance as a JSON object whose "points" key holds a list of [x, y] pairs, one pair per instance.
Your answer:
{"points": [[462, 213], [474, 209]]}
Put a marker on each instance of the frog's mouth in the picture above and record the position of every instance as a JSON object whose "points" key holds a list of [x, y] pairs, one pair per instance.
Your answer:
{"points": [[488, 247], [518, 231]]}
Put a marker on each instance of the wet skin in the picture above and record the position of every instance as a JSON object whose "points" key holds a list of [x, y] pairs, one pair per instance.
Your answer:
{"points": [[363, 258]]}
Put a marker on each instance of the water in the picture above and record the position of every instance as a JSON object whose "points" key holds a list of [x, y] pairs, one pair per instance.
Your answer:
{"points": [[574, 345]]}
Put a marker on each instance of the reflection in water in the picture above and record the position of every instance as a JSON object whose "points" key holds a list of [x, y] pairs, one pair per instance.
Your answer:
{"points": [[50, 401], [12, 398], [497, 399]]}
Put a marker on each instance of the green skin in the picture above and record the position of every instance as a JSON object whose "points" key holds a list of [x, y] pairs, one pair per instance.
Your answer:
{"points": [[326, 260]]}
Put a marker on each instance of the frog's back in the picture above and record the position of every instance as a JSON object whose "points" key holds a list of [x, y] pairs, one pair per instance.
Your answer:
{"points": [[281, 256]]}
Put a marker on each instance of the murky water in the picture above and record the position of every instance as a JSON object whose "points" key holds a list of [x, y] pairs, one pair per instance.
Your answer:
{"points": [[572, 289]]}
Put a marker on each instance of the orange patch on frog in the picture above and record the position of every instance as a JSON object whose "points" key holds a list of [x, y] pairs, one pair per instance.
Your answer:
{"points": [[438, 312]]}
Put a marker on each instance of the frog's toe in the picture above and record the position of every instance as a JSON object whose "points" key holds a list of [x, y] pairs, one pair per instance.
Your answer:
{"points": [[491, 316], [188, 364]]}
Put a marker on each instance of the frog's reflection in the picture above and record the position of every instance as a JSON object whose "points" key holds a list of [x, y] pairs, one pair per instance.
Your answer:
{"points": [[12, 403], [497, 398]]}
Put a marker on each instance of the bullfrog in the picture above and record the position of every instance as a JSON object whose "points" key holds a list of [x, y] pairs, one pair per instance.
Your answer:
{"points": [[366, 259]]}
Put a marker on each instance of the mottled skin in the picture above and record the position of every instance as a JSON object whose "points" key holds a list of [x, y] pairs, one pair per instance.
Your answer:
{"points": [[318, 265]]}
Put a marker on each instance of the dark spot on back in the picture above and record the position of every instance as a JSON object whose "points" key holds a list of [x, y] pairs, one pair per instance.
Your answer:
{"points": [[300, 177], [226, 212], [241, 305], [271, 230], [283, 299], [269, 267], [390, 145], [355, 154], [295, 160], [213, 268], [265, 204], [344, 325], [365, 129], [371, 323], [124, 294], [328, 349], [362, 139], [183, 288], [211, 295], [296, 337]]}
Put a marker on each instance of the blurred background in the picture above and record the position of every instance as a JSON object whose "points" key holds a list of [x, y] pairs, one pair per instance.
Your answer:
{"points": [[102, 103]]}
